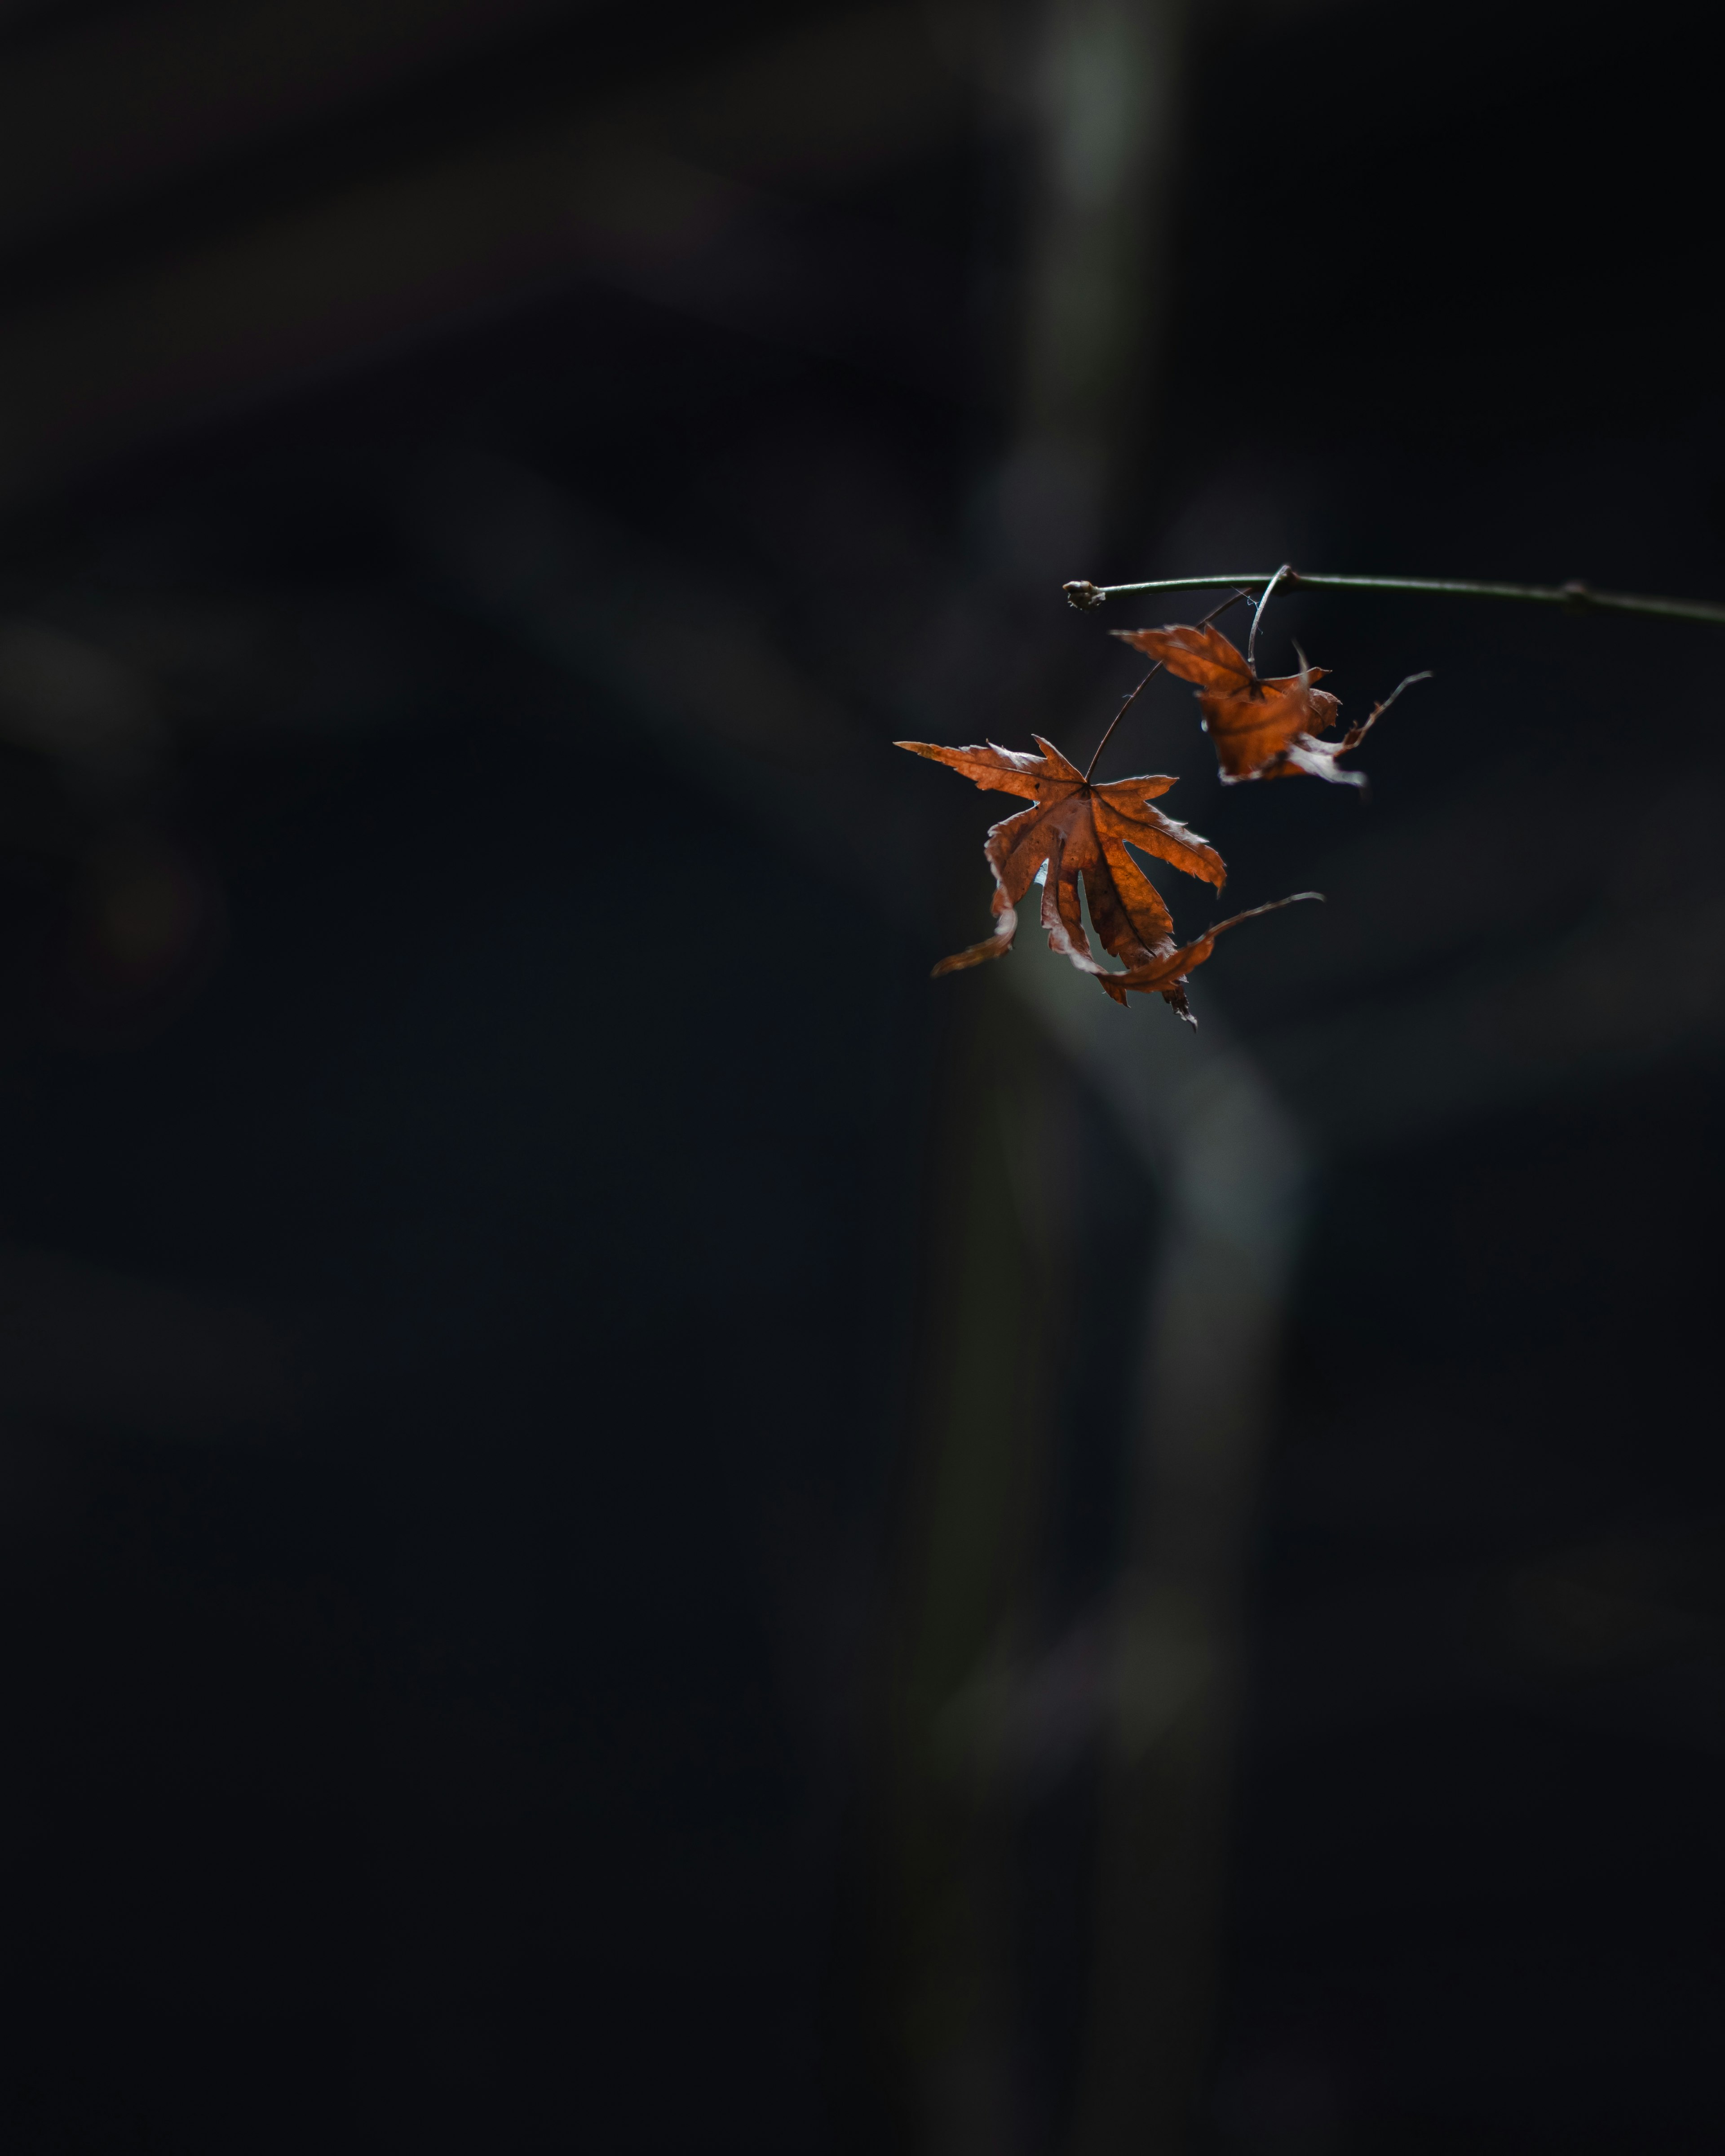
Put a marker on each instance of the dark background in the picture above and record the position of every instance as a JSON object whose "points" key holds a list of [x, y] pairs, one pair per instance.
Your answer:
{"points": [[623, 1524]]}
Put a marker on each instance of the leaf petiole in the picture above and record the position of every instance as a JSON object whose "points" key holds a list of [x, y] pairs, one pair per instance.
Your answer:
{"points": [[1095, 754]]}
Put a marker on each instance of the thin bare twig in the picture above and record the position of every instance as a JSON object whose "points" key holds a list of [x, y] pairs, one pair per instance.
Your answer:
{"points": [[1573, 598]]}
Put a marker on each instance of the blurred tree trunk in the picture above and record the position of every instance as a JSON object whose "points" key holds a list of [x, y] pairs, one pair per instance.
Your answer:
{"points": [[1088, 92], [1097, 91], [978, 1459]]}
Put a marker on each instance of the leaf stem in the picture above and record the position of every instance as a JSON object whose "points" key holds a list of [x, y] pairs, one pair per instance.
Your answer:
{"points": [[1573, 598], [1234, 600], [1258, 616]]}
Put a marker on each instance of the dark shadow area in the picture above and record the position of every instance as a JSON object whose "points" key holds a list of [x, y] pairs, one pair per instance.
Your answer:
{"points": [[625, 1527]]}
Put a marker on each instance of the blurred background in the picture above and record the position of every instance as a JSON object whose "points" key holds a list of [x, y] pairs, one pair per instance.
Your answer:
{"points": [[623, 1525]]}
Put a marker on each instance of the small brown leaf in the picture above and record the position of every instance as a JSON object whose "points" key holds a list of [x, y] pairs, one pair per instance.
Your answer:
{"points": [[1262, 729], [1079, 829]]}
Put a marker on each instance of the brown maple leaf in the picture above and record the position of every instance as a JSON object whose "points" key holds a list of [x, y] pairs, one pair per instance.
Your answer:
{"points": [[1078, 828], [1262, 729]]}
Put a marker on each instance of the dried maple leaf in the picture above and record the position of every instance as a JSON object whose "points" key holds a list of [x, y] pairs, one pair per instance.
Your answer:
{"points": [[1078, 828], [1262, 729]]}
